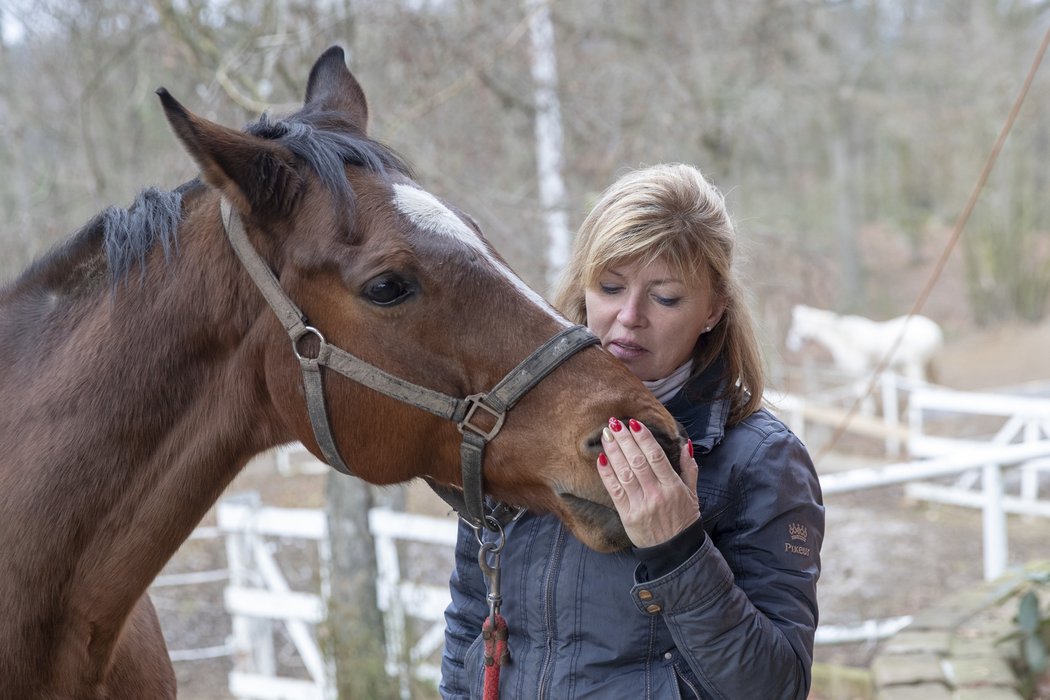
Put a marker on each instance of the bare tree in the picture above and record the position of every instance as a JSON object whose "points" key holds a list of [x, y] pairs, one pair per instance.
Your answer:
{"points": [[549, 159]]}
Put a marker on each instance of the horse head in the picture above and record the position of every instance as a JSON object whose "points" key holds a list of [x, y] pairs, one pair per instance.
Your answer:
{"points": [[798, 332], [808, 323], [407, 283]]}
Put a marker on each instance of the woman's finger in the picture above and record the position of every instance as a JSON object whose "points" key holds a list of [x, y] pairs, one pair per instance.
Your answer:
{"points": [[612, 484], [653, 452], [690, 469], [628, 459]]}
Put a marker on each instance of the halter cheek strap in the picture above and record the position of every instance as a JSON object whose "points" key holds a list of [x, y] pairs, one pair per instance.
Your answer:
{"points": [[465, 412]]}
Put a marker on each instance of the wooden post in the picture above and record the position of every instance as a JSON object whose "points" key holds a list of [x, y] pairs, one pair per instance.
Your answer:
{"points": [[996, 544]]}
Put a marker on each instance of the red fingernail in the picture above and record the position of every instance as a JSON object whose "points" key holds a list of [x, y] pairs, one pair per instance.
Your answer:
{"points": [[602, 459], [615, 424], [635, 425], [690, 444]]}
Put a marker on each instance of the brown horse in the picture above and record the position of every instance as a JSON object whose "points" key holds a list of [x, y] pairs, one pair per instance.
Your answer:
{"points": [[141, 368]]}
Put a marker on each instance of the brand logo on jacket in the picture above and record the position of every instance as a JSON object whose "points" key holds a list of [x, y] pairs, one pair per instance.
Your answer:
{"points": [[798, 533]]}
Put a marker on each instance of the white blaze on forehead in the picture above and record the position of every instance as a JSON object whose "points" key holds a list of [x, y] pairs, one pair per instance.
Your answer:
{"points": [[426, 212]]}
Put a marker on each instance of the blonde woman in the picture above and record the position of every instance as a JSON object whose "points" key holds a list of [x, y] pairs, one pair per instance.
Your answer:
{"points": [[717, 596]]}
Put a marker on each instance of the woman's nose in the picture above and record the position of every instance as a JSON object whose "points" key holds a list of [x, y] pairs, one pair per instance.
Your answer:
{"points": [[630, 314]]}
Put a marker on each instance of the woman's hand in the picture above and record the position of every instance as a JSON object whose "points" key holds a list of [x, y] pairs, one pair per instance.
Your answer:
{"points": [[653, 501]]}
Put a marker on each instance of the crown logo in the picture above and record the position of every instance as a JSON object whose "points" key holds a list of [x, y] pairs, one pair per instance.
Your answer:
{"points": [[798, 532]]}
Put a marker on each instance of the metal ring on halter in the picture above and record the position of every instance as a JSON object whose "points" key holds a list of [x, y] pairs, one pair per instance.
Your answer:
{"points": [[496, 546], [307, 330]]}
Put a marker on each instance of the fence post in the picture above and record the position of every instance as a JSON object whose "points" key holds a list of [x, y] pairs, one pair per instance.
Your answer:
{"points": [[252, 638], [890, 413], [1030, 469], [994, 518]]}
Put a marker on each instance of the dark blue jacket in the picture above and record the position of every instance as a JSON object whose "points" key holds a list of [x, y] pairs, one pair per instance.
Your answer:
{"points": [[727, 609]]}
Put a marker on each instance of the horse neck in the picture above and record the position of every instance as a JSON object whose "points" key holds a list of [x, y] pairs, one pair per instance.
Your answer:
{"points": [[827, 331], [128, 427]]}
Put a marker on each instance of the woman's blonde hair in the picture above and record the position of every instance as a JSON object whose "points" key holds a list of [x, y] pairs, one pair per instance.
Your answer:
{"points": [[671, 213]]}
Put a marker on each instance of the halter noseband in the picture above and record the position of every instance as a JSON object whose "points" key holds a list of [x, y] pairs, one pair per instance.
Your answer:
{"points": [[470, 503]]}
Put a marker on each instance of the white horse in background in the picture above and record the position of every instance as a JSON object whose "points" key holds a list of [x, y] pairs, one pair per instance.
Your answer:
{"points": [[857, 344]]}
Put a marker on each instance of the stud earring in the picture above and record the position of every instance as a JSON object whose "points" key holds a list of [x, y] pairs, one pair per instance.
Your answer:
{"points": [[707, 329]]}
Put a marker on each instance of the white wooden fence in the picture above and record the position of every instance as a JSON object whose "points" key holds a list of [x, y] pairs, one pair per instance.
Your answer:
{"points": [[259, 598], [1023, 419], [833, 403], [977, 459]]}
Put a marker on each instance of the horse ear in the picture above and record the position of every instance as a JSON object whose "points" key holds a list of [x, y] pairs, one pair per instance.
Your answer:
{"points": [[257, 175], [333, 87]]}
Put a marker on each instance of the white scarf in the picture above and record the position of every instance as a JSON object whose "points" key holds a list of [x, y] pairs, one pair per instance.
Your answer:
{"points": [[664, 389]]}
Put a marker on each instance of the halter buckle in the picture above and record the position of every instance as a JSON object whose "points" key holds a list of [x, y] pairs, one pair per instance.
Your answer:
{"points": [[474, 402]]}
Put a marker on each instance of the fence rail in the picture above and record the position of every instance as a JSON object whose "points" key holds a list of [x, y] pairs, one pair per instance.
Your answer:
{"points": [[1023, 439]]}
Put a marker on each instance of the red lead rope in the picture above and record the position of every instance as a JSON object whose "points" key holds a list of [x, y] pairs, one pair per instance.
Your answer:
{"points": [[494, 629], [495, 654]]}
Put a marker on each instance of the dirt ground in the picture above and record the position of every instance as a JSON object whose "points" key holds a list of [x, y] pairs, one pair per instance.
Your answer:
{"points": [[884, 555]]}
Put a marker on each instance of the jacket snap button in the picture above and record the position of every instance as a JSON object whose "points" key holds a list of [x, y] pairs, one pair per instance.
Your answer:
{"points": [[654, 608], [645, 595]]}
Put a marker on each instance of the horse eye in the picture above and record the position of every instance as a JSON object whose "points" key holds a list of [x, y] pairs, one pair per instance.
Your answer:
{"points": [[387, 291]]}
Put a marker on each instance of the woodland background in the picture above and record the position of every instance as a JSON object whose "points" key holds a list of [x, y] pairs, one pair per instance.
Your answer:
{"points": [[847, 134]]}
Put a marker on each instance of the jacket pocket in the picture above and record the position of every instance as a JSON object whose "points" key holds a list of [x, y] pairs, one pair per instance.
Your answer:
{"points": [[474, 667], [688, 688], [714, 501]]}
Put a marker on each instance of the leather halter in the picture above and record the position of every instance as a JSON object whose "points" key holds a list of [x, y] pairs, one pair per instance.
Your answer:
{"points": [[470, 503]]}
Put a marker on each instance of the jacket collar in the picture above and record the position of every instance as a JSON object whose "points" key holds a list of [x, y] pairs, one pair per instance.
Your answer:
{"points": [[704, 419]]}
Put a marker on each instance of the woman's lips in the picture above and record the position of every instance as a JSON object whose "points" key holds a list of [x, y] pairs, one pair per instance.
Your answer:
{"points": [[625, 351]]}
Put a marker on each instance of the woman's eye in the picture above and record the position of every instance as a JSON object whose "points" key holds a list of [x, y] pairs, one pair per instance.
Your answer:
{"points": [[609, 288], [667, 301], [387, 291]]}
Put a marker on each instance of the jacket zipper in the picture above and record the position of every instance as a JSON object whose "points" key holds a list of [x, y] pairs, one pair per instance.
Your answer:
{"points": [[684, 681], [548, 614]]}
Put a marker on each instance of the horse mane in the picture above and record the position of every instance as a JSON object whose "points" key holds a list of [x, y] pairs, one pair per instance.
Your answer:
{"points": [[311, 136], [129, 234], [324, 141]]}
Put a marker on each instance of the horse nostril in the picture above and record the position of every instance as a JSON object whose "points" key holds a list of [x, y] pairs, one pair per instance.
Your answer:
{"points": [[672, 446], [673, 458], [593, 444]]}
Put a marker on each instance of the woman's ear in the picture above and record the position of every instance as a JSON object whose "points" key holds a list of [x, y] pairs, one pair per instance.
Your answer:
{"points": [[718, 308]]}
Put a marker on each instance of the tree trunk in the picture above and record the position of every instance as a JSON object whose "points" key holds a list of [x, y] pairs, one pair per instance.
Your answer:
{"points": [[846, 222], [357, 642], [549, 142]]}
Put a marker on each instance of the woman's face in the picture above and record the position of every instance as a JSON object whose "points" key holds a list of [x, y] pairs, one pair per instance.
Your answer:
{"points": [[648, 317]]}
